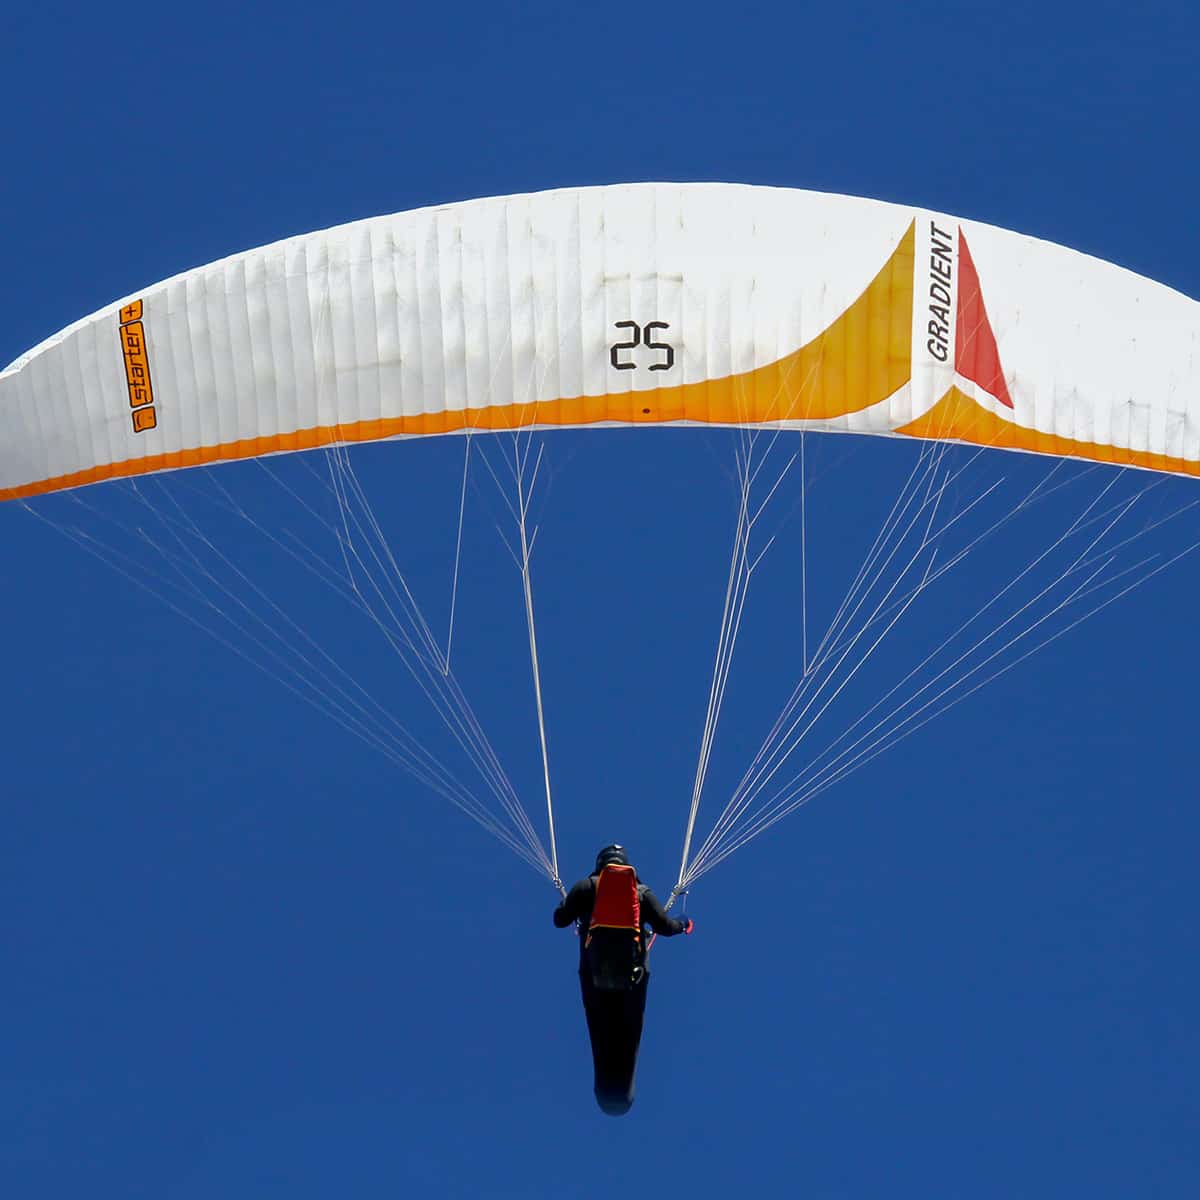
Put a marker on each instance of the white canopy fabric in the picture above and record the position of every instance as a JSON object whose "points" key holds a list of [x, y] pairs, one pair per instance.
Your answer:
{"points": [[642, 304]]}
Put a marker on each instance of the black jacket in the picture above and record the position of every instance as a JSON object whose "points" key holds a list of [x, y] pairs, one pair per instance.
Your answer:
{"points": [[577, 906]]}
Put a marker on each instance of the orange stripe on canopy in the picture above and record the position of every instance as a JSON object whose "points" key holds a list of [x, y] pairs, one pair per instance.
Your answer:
{"points": [[958, 418]]}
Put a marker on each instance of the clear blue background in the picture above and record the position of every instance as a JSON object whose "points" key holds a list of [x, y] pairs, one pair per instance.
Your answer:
{"points": [[242, 956]]}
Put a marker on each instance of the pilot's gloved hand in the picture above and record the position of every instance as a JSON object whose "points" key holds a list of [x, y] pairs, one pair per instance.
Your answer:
{"points": [[688, 925]]}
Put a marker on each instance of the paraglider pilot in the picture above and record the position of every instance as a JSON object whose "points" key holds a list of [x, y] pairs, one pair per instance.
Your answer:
{"points": [[613, 909]]}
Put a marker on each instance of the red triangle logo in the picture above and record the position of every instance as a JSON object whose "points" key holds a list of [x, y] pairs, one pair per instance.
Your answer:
{"points": [[976, 356]]}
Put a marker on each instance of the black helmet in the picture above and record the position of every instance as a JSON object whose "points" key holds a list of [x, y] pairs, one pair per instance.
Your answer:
{"points": [[610, 855]]}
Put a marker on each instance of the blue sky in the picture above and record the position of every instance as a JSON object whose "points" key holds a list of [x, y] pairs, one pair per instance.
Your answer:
{"points": [[243, 956]]}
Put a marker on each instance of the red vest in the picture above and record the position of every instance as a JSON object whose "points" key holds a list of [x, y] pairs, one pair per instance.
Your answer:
{"points": [[617, 905], [613, 949]]}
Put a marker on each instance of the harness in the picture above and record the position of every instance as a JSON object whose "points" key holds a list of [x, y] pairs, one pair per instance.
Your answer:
{"points": [[613, 947]]}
